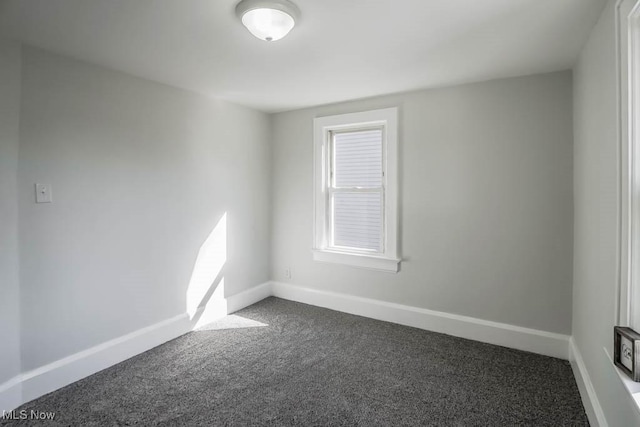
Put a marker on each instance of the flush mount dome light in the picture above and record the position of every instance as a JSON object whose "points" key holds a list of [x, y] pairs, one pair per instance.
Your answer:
{"points": [[268, 20]]}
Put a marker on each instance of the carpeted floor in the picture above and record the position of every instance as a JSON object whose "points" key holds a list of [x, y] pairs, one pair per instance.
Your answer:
{"points": [[283, 363]]}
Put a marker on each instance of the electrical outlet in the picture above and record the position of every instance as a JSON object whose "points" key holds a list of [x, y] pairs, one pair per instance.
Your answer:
{"points": [[287, 273]]}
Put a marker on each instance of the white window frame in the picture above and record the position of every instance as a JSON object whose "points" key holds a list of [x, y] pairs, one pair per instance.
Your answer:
{"points": [[628, 49], [386, 119]]}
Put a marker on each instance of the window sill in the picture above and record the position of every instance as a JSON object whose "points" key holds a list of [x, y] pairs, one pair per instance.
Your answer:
{"points": [[390, 265], [632, 387]]}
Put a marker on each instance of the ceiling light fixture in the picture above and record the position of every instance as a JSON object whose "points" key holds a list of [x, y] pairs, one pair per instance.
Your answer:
{"points": [[268, 20]]}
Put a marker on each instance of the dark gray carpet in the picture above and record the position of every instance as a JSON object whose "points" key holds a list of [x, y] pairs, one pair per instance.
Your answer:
{"points": [[312, 366]]}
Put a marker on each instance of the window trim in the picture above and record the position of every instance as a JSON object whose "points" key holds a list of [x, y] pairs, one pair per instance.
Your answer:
{"points": [[628, 41], [386, 118]]}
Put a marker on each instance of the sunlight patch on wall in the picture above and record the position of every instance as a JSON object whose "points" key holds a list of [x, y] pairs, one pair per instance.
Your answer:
{"points": [[213, 309], [205, 294]]}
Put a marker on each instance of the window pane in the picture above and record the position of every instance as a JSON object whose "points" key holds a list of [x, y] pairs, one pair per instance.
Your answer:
{"points": [[357, 220], [358, 158]]}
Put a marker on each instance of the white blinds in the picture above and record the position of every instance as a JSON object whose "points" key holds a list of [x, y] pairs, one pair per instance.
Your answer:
{"points": [[358, 158], [357, 190]]}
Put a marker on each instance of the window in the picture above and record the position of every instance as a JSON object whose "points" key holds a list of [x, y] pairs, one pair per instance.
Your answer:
{"points": [[355, 190]]}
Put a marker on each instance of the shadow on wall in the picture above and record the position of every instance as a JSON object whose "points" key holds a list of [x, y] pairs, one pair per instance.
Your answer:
{"points": [[205, 293]]}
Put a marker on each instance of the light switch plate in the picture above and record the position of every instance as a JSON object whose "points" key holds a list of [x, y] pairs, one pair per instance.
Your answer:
{"points": [[43, 193]]}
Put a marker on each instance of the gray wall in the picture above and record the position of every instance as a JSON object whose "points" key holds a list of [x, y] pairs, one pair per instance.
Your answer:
{"points": [[596, 216], [141, 175], [486, 202], [9, 140]]}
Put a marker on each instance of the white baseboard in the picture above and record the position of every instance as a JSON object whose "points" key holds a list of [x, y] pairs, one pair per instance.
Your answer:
{"points": [[541, 342], [10, 394], [60, 373], [585, 386], [218, 306], [248, 297], [45, 379]]}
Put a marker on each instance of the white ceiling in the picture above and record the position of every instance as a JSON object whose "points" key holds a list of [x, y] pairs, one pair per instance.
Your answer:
{"points": [[341, 49]]}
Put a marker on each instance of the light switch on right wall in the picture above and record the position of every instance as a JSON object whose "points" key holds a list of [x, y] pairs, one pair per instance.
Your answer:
{"points": [[43, 193]]}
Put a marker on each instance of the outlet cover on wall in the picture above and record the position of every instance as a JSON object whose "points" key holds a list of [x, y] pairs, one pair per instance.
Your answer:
{"points": [[287, 273], [43, 193]]}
